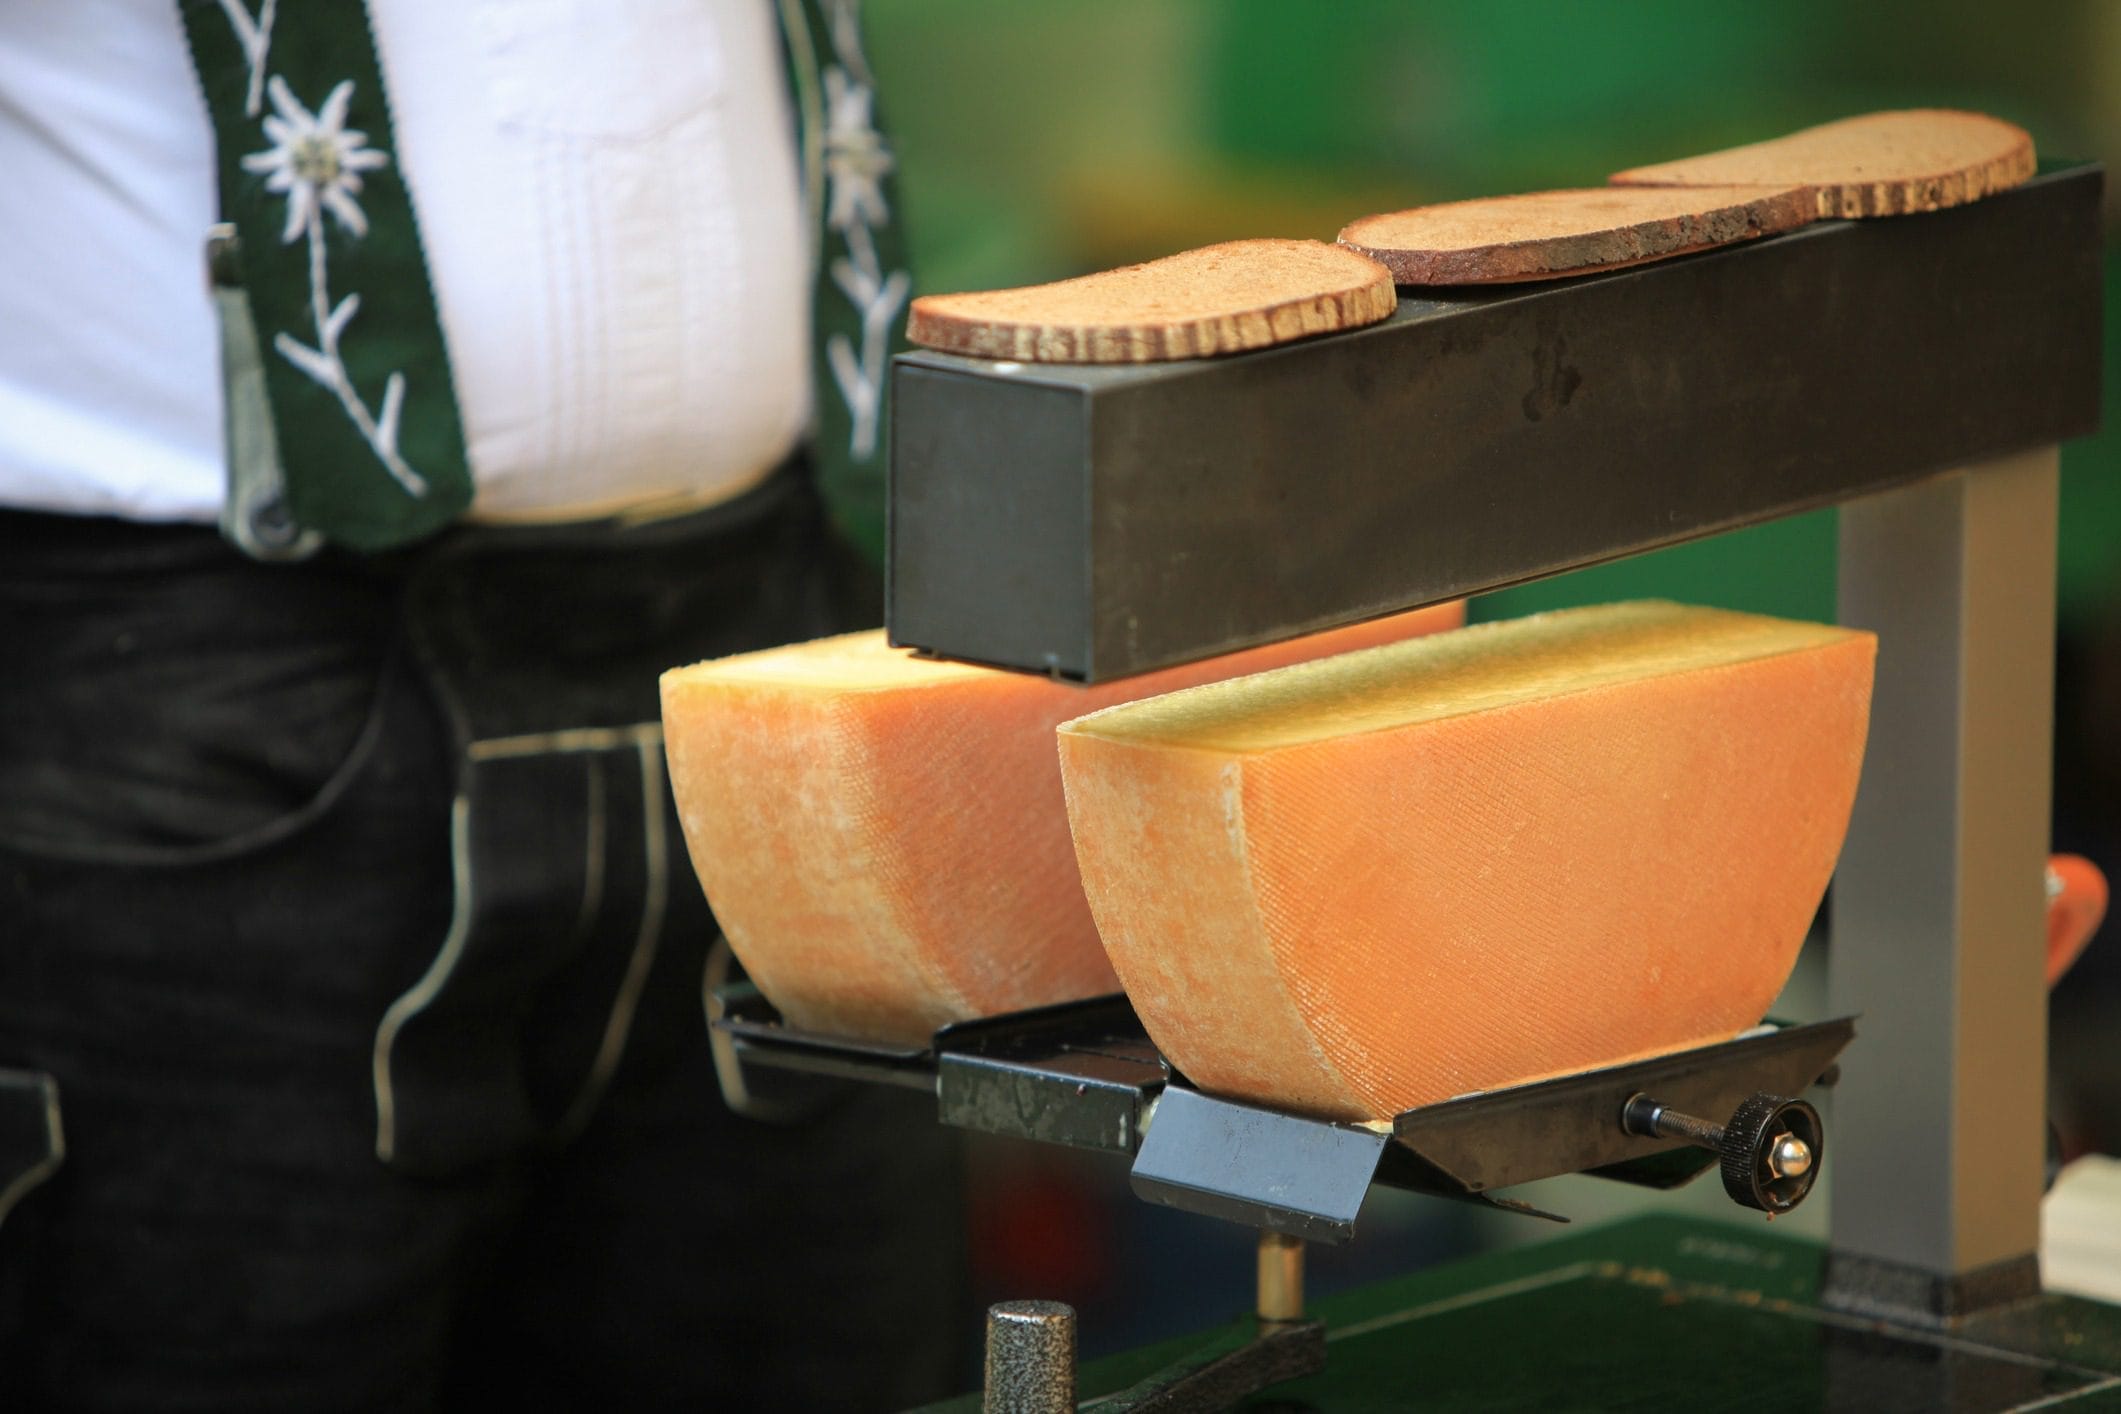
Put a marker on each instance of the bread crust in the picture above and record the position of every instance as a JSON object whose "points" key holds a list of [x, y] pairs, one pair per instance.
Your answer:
{"points": [[1220, 299], [1878, 164], [1550, 234]]}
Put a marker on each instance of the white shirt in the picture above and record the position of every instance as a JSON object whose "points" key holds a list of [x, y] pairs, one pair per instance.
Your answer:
{"points": [[609, 201]]}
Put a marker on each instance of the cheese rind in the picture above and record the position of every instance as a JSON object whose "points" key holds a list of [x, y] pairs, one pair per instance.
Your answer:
{"points": [[883, 837], [1515, 851]]}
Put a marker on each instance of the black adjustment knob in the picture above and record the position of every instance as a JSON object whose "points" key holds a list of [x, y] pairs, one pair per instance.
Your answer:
{"points": [[1770, 1151]]}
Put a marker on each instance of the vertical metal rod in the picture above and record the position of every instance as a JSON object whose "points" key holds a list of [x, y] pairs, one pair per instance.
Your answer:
{"points": [[1281, 1277], [1937, 906], [1030, 1358]]}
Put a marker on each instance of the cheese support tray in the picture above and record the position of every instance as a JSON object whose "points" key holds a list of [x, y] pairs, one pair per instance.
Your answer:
{"points": [[1085, 1074]]}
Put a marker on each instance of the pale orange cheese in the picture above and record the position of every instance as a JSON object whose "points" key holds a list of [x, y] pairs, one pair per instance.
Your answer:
{"points": [[1518, 850], [883, 838]]}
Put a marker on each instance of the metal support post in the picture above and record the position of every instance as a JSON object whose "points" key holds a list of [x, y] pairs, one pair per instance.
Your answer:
{"points": [[1937, 913], [1281, 1277]]}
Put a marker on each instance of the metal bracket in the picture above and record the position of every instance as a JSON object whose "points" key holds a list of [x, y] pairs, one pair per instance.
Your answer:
{"points": [[1082, 1074], [1303, 1177], [1308, 1177]]}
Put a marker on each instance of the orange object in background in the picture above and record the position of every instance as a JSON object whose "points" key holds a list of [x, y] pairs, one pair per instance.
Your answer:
{"points": [[1522, 849], [2076, 902], [883, 837]]}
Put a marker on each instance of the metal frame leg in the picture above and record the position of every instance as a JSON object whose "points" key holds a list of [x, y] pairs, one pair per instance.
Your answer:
{"points": [[1939, 1123]]}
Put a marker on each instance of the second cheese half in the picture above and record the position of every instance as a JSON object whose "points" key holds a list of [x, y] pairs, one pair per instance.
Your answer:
{"points": [[1363, 884]]}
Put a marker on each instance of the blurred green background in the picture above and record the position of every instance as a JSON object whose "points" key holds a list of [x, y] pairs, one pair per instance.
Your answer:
{"points": [[1040, 141]]}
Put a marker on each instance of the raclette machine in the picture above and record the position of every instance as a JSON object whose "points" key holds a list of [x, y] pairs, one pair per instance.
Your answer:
{"points": [[1091, 522]]}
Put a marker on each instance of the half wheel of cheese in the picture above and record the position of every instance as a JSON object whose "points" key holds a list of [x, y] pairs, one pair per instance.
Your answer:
{"points": [[883, 838], [1471, 861]]}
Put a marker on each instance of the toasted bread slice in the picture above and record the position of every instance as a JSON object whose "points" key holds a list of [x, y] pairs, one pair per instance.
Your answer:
{"points": [[1881, 164], [1216, 300], [1548, 234]]}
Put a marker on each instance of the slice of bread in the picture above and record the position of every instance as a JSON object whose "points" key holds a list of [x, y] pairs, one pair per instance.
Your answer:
{"points": [[1217, 300], [1548, 234], [1881, 164]]}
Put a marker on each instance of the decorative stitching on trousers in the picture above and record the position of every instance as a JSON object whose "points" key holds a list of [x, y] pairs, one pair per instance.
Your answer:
{"points": [[44, 1168], [431, 982]]}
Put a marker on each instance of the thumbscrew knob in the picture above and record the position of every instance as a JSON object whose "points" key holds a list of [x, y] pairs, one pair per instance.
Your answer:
{"points": [[1770, 1148]]}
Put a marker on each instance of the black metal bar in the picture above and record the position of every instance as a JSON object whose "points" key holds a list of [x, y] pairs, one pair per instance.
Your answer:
{"points": [[760, 1038], [1086, 1075], [1572, 1124], [1095, 522], [1080, 1074], [1225, 1372]]}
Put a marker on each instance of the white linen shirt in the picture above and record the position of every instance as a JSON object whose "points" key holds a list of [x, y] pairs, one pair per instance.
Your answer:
{"points": [[609, 201]]}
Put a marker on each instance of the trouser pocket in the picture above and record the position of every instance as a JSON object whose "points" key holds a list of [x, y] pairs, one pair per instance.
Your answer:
{"points": [[32, 1141], [562, 851], [32, 1147], [578, 941], [167, 702]]}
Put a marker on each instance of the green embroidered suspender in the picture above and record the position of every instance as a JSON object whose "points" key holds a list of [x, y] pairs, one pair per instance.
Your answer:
{"points": [[862, 278], [354, 367], [343, 423]]}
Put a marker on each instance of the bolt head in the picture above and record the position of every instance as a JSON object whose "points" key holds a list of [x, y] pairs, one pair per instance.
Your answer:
{"points": [[1790, 1157]]}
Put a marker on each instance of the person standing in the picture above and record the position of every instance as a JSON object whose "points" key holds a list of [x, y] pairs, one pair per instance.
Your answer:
{"points": [[387, 395]]}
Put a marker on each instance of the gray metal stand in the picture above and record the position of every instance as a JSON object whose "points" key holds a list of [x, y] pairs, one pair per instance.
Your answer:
{"points": [[1096, 522], [1938, 907]]}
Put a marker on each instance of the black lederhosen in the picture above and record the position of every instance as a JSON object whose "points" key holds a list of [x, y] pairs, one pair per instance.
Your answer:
{"points": [[344, 909]]}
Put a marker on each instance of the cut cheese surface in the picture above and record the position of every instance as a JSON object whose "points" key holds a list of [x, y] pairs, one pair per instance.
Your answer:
{"points": [[1877, 164], [1523, 849], [1219, 299], [1549, 234], [883, 837]]}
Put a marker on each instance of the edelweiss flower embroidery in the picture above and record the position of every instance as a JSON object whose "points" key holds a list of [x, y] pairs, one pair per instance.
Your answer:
{"points": [[254, 33], [856, 159], [315, 159], [856, 163]]}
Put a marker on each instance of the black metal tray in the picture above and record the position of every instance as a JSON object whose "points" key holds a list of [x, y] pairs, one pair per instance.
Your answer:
{"points": [[1085, 1074]]}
